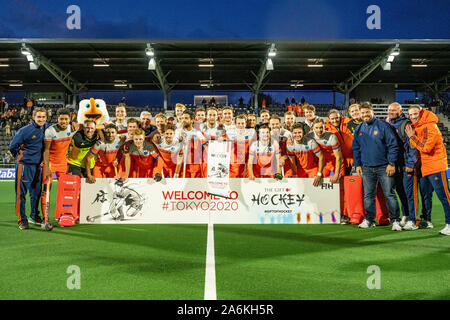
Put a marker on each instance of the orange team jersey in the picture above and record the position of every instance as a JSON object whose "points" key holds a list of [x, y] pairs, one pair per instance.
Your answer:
{"points": [[194, 142], [345, 137], [59, 144], [240, 144], [264, 161], [328, 143], [305, 157], [145, 162], [105, 155], [169, 155]]}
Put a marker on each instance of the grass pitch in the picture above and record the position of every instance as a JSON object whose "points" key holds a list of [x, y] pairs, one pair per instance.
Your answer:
{"points": [[253, 262]]}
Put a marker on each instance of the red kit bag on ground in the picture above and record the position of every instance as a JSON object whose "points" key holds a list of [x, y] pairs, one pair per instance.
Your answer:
{"points": [[67, 209], [354, 198], [354, 195]]}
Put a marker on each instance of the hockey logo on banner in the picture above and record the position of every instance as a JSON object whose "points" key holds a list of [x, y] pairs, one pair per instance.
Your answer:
{"points": [[218, 173]]}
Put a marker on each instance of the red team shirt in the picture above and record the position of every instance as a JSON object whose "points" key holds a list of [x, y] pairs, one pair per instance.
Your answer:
{"points": [[194, 142], [328, 143], [105, 155], [240, 142], [264, 161], [305, 157], [169, 155], [146, 162]]}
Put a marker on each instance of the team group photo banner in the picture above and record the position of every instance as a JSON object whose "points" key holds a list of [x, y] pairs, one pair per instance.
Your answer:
{"points": [[262, 201]]}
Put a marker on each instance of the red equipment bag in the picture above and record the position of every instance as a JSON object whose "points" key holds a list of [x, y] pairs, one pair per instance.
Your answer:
{"points": [[67, 209], [354, 198], [354, 195]]}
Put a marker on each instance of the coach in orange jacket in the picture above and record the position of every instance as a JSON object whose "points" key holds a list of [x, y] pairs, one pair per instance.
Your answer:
{"points": [[425, 136], [338, 125]]}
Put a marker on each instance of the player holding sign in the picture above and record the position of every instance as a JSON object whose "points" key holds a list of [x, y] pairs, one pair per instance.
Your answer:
{"points": [[241, 138], [171, 151], [305, 155], [264, 156]]}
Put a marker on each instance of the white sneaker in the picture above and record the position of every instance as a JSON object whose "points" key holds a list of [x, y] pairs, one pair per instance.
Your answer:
{"points": [[410, 226], [366, 224], [446, 230], [404, 221], [429, 225], [396, 226]]}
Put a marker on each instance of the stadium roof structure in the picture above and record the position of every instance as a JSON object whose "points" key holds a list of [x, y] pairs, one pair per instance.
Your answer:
{"points": [[230, 65]]}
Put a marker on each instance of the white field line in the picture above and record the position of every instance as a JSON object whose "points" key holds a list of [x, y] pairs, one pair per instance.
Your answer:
{"points": [[210, 274]]}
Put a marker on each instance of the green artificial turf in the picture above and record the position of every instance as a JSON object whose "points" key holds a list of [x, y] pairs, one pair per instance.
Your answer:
{"points": [[115, 261], [280, 262]]}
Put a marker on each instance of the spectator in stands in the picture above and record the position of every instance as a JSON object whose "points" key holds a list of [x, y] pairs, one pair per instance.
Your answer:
{"points": [[398, 120], [3, 120], [146, 123], [251, 121], [3, 105], [375, 152], [426, 137], [310, 116], [30, 106], [241, 102], [16, 126], [8, 129]]}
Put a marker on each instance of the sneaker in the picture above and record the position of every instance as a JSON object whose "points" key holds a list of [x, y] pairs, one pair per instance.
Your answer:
{"points": [[396, 226], [345, 220], [410, 226], [37, 220], [446, 230], [404, 221], [429, 225], [366, 224], [24, 225]]}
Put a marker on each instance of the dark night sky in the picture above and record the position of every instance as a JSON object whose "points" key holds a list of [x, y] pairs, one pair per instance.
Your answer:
{"points": [[209, 19]]}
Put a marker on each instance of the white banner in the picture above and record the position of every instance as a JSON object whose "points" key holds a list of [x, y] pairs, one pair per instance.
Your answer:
{"points": [[218, 173], [263, 201]]}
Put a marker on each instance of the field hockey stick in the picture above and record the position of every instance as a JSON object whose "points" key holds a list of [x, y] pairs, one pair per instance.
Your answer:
{"points": [[92, 219], [47, 226]]}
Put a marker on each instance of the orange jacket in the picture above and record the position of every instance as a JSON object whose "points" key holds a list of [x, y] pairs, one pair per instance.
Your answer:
{"points": [[345, 138], [428, 140]]}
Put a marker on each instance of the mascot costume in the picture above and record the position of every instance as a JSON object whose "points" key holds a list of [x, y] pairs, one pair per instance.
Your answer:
{"points": [[94, 109]]}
